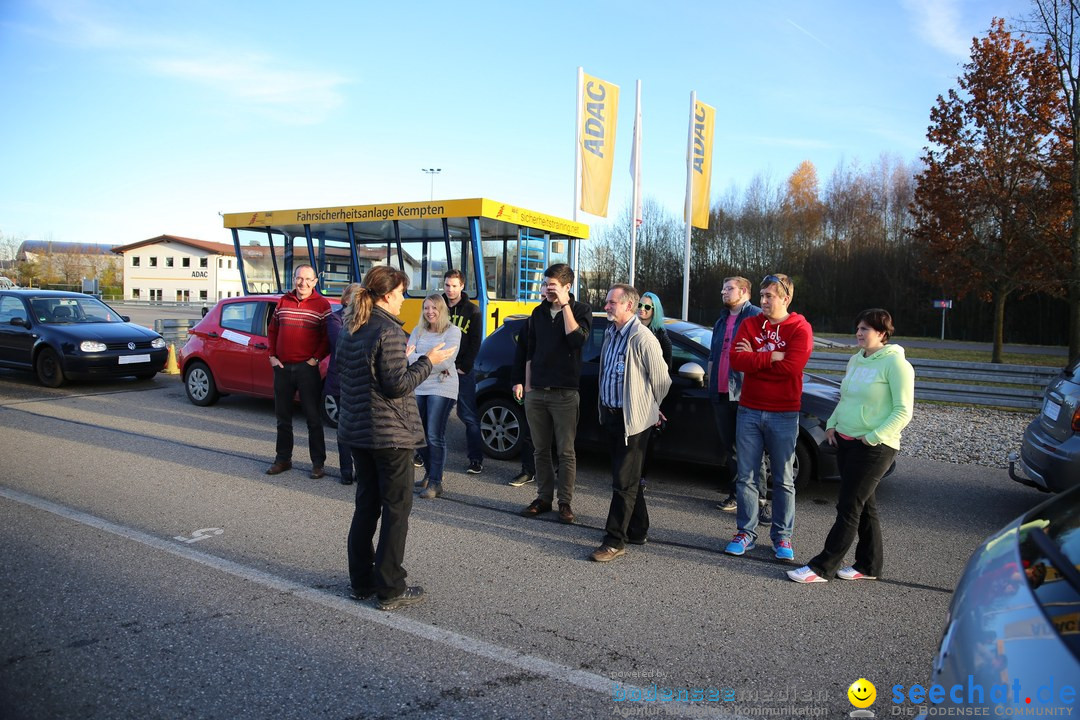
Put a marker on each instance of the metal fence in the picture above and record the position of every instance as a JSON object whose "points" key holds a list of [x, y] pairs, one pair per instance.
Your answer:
{"points": [[971, 383], [174, 331]]}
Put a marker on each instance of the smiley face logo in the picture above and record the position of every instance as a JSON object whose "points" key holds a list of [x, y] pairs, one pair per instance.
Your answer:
{"points": [[862, 693]]}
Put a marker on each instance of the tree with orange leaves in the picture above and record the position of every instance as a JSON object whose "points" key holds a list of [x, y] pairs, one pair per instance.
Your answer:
{"points": [[991, 209]]}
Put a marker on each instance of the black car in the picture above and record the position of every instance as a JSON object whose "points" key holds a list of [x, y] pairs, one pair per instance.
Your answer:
{"points": [[690, 435], [65, 334]]}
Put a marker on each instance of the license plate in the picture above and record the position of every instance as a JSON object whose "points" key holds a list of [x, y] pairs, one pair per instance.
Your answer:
{"points": [[1051, 409], [133, 359]]}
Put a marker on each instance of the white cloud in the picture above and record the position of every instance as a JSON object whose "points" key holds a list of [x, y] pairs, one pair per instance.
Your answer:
{"points": [[937, 22]]}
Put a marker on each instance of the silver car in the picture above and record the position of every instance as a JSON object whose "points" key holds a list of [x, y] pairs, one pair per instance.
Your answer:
{"points": [[1012, 636], [1050, 455]]}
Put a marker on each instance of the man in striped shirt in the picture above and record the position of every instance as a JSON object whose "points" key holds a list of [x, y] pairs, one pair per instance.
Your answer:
{"points": [[298, 342], [633, 380]]}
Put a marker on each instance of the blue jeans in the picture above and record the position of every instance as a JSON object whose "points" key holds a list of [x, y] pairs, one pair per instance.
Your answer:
{"points": [[755, 432], [467, 413], [434, 414]]}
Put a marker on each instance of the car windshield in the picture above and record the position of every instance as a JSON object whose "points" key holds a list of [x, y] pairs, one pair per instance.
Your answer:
{"points": [[700, 335], [1050, 553], [62, 310]]}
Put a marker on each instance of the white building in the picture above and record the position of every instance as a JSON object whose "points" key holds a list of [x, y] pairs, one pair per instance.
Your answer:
{"points": [[177, 269]]}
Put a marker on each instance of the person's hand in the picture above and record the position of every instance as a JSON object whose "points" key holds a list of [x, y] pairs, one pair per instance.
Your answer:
{"points": [[460, 371], [312, 361], [744, 346], [440, 353], [409, 350], [830, 436], [663, 417], [777, 356], [274, 362], [562, 295], [519, 392]]}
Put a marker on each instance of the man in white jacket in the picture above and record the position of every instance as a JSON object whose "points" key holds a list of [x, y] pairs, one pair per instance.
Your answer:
{"points": [[633, 380]]}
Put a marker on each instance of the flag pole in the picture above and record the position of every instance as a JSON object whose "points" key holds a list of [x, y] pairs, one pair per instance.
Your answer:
{"points": [[577, 171], [688, 209], [635, 169]]}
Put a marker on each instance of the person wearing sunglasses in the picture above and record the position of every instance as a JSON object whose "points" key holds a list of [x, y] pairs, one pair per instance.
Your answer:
{"points": [[771, 351], [650, 312]]}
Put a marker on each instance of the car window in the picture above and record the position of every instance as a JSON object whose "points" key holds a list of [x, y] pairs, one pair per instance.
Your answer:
{"points": [[240, 316], [67, 310], [11, 307], [1050, 553], [1073, 371], [591, 351]]}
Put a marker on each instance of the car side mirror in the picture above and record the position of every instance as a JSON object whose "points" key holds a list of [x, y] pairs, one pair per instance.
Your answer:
{"points": [[125, 318], [693, 372], [20, 322]]}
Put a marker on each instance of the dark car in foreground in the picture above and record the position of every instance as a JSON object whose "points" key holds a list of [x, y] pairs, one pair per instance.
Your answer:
{"points": [[1050, 454], [1012, 634], [690, 435], [228, 351], [61, 335]]}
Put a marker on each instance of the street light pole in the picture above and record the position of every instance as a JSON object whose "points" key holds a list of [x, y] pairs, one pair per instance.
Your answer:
{"points": [[432, 172]]}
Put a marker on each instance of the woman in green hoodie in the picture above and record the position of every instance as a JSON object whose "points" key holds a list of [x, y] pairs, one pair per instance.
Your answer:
{"points": [[876, 398]]}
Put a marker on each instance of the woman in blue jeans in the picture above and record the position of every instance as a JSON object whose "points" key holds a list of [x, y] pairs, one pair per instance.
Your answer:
{"points": [[876, 400], [436, 395]]}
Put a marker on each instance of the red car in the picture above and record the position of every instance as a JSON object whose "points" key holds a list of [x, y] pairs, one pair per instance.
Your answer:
{"points": [[228, 351]]}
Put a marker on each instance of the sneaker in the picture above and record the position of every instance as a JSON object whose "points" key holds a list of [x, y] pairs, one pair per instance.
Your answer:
{"points": [[432, 491], [411, 596], [422, 483], [566, 515], [522, 479], [475, 467], [739, 544], [417, 460], [606, 553], [850, 573], [805, 575], [537, 507], [764, 514], [728, 504], [783, 550]]}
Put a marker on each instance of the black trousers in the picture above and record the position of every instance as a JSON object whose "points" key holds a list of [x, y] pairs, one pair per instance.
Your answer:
{"points": [[383, 490], [861, 469], [628, 518], [300, 378]]}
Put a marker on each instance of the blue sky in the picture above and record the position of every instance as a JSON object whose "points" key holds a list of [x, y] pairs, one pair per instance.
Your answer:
{"points": [[126, 120]]}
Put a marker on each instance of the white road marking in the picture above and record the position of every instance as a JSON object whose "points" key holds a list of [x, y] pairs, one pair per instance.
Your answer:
{"points": [[473, 646]]}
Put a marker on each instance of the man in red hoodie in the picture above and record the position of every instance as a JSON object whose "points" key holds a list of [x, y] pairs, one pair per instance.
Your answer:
{"points": [[771, 351], [298, 342]]}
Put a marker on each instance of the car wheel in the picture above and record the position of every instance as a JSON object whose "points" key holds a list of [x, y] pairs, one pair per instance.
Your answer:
{"points": [[501, 424], [199, 384], [50, 373], [330, 410]]}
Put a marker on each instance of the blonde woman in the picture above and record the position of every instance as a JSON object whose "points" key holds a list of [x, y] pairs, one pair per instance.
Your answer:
{"points": [[435, 396]]}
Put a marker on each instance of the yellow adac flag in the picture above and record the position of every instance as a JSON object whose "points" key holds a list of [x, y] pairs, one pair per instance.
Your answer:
{"points": [[600, 111], [701, 163]]}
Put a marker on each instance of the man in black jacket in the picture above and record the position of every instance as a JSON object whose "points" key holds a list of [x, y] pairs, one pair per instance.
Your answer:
{"points": [[467, 317], [558, 328]]}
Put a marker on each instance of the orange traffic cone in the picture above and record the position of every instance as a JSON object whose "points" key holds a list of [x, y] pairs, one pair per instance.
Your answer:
{"points": [[171, 368]]}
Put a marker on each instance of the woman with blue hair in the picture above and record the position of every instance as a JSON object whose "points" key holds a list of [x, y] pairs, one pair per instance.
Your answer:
{"points": [[651, 315]]}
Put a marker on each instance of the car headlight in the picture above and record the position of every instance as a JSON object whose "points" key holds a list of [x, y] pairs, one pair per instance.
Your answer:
{"points": [[157, 343], [92, 346]]}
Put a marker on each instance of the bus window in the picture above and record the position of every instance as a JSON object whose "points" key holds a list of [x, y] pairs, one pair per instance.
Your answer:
{"points": [[258, 249]]}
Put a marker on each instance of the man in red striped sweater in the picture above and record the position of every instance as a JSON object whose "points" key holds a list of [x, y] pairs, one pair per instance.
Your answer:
{"points": [[298, 342]]}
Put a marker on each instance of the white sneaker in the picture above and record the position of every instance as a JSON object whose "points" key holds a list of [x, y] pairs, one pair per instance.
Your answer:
{"points": [[850, 573], [805, 575]]}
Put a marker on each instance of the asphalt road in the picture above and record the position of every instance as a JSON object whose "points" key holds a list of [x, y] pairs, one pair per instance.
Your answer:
{"points": [[111, 608]]}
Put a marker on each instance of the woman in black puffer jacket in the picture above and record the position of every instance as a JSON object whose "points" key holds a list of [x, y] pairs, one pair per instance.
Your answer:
{"points": [[379, 421]]}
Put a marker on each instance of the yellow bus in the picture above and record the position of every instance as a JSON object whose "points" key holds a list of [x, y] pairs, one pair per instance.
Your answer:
{"points": [[501, 249]]}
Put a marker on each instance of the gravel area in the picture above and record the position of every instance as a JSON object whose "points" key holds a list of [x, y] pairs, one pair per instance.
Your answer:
{"points": [[964, 435]]}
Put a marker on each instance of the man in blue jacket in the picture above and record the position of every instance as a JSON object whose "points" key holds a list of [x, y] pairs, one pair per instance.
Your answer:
{"points": [[725, 383]]}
